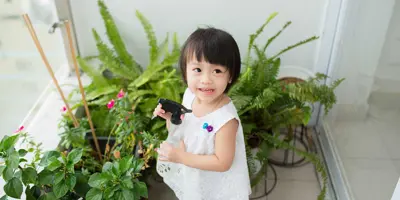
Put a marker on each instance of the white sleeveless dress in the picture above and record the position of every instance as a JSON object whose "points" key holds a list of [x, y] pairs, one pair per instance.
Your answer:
{"points": [[195, 184]]}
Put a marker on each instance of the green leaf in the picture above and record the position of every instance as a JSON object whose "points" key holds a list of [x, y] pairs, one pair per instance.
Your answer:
{"points": [[18, 174], [2, 168], [54, 164], [96, 180], [47, 155], [70, 181], [98, 92], [75, 156], [125, 195], [109, 192], [152, 40], [141, 189], [127, 182], [125, 164], [45, 177], [60, 189], [32, 192], [137, 165], [94, 74], [107, 166], [9, 142], [13, 160], [29, 175], [13, 188], [58, 177], [22, 152], [115, 169], [48, 196], [8, 173], [4, 197], [94, 194]]}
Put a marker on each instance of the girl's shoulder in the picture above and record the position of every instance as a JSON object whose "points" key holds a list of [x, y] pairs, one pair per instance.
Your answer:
{"points": [[187, 99]]}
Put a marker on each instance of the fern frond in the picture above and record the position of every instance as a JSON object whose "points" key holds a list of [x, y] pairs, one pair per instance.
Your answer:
{"points": [[116, 39], [312, 157], [106, 55], [256, 34], [152, 40], [295, 45], [96, 76], [271, 39], [163, 48], [266, 98], [100, 91]]}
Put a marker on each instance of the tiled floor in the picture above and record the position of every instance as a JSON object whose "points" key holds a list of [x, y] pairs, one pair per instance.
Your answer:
{"points": [[293, 183], [369, 151]]}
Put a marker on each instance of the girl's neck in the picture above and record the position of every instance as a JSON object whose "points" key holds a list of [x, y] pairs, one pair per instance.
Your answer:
{"points": [[201, 108]]}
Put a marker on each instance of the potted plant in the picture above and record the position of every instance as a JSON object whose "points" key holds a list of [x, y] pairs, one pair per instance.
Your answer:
{"points": [[76, 173], [118, 70], [266, 104]]}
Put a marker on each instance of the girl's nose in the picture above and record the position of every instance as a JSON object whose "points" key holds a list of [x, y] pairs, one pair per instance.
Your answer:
{"points": [[205, 79]]}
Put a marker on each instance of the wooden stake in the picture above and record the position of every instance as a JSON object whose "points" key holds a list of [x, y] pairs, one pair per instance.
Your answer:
{"points": [[49, 69], [73, 55]]}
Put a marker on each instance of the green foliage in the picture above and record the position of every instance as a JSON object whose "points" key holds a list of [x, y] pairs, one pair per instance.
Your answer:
{"points": [[313, 158], [118, 71], [265, 104], [56, 179], [118, 180]]}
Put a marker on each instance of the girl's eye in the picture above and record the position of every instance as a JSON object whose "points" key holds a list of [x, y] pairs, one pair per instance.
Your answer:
{"points": [[197, 70], [218, 71]]}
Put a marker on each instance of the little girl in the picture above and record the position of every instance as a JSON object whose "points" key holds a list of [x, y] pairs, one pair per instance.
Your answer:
{"points": [[210, 161]]}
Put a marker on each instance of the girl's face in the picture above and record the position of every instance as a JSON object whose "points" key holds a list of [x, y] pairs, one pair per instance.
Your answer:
{"points": [[207, 81]]}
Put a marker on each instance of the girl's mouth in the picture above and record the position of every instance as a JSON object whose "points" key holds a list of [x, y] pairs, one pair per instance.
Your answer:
{"points": [[206, 90]]}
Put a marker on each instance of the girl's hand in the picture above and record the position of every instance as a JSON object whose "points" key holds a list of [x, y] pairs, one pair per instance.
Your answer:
{"points": [[167, 152], [158, 111]]}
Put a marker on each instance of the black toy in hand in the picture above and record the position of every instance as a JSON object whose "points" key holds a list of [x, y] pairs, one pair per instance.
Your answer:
{"points": [[176, 109]]}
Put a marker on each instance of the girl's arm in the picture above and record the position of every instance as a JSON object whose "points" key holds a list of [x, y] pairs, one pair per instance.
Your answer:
{"points": [[225, 142]]}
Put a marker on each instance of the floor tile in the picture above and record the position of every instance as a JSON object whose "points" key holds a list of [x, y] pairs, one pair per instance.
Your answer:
{"points": [[298, 190], [379, 177], [303, 173]]}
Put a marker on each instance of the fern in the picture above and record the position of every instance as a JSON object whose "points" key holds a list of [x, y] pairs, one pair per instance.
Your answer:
{"points": [[152, 40], [96, 75], [271, 39], [116, 40], [313, 158], [256, 34], [295, 45], [106, 56]]}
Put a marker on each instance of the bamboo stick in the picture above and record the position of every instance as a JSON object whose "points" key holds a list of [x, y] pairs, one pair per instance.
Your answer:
{"points": [[73, 55], [49, 69]]}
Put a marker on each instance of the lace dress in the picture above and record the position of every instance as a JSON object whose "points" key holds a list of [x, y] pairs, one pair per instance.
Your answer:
{"points": [[198, 134]]}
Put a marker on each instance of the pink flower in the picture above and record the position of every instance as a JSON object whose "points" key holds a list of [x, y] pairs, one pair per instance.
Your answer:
{"points": [[20, 129], [63, 109], [111, 104], [121, 94]]}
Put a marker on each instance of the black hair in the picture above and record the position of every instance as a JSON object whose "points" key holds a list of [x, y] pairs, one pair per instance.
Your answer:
{"points": [[214, 46]]}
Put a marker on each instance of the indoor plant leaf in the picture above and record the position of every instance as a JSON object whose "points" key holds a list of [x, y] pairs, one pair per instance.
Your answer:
{"points": [[13, 188]]}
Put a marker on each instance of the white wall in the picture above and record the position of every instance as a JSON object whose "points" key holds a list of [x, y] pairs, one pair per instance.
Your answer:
{"points": [[361, 36], [238, 17], [389, 63]]}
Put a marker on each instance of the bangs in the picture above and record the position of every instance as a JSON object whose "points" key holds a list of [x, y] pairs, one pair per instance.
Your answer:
{"points": [[206, 51]]}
